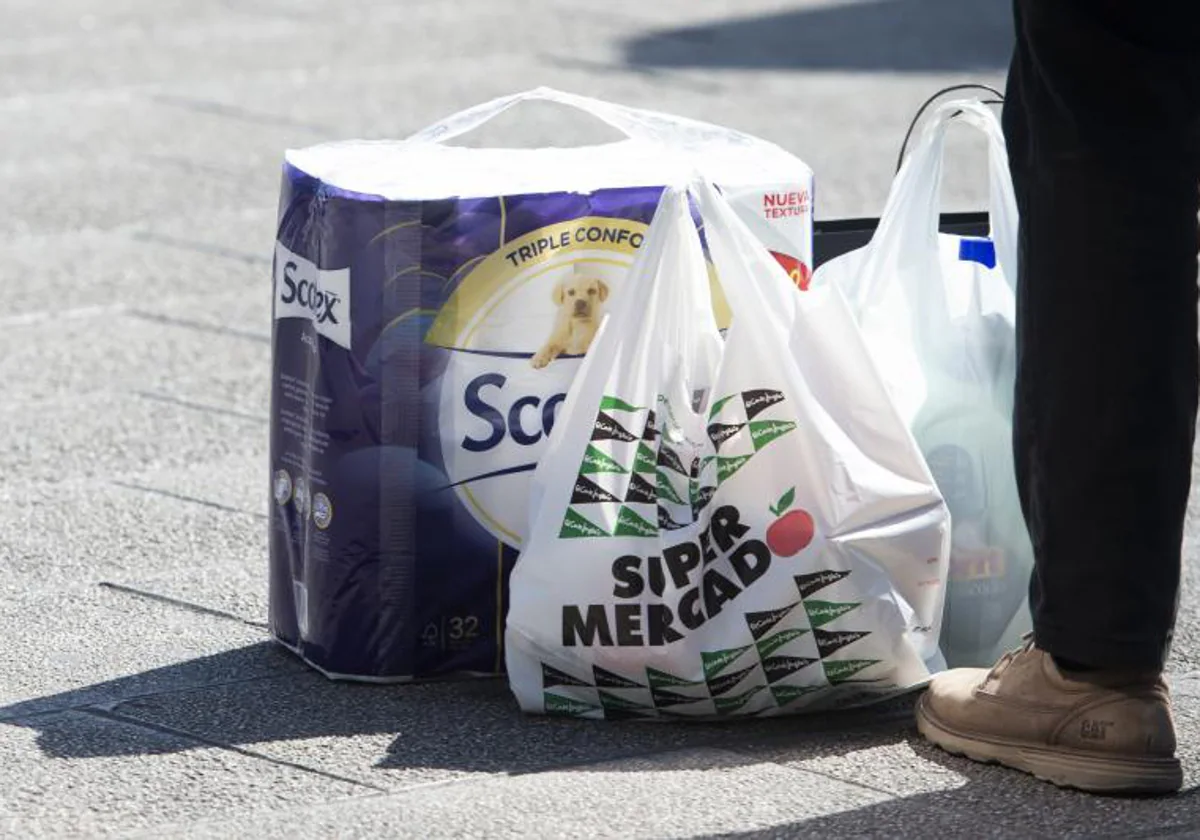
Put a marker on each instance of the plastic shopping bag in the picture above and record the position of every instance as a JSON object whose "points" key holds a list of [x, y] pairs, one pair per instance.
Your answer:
{"points": [[737, 526], [938, 314]]}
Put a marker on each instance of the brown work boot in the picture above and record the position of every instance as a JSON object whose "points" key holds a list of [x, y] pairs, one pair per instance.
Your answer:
{"points": [[1104, 732]]}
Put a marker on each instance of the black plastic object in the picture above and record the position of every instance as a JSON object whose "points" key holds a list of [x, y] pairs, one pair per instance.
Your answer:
{"points": [[999, 100], [834, 237]]}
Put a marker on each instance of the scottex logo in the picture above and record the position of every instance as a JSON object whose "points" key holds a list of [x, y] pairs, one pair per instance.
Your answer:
{"points": [[525, 419], [494, 425], [309, 295], [302, 290]]}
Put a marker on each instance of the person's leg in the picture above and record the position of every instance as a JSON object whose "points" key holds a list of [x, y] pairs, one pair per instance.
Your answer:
{"points": [[1101, 125], [1103, 144]]}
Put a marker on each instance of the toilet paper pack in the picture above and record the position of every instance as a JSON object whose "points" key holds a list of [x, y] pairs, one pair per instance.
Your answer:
{"points": [[432, 304]]}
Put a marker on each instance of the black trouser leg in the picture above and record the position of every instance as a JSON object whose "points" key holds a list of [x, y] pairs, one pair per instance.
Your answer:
{"points": [[1101, 124]]}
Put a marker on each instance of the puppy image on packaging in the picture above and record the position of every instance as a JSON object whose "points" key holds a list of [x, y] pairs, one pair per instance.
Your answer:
{"points": [[579, 303]]}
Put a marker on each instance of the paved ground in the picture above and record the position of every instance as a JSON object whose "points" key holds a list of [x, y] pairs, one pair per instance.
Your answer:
{"points": [[139, 161]]}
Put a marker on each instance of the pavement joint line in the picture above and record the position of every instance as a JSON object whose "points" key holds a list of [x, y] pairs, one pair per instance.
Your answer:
{"points": [[60, 165], [117, 717], [553, 767], [110, 711], [183, 498], [207, 106], [1171, 829], [173, 829], [193, 165], [399, 793], [712, 743], [199, 247], [134, 228], [871, 729], [211, 409], [101, 95], [121, 34], [111, 705], [387, 70], [9, 719], [201, 326], [381, 794], [180, 603], [845, 780], [89, 482], [26, 319]]}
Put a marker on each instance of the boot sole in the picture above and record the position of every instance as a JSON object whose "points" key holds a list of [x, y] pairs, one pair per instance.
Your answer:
{"points": [[1063, 767]]}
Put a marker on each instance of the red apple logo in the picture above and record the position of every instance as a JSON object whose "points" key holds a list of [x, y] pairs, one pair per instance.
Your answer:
{"points": [[792, 530], [800, 273]]}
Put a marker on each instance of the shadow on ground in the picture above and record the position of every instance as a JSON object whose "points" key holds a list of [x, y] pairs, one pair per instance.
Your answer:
{"points": [[471, 725], [902, 36], [385, 736], [994, 802]]}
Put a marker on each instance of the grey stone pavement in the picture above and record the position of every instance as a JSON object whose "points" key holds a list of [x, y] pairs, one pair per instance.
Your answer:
{"points": [[140, 143]]}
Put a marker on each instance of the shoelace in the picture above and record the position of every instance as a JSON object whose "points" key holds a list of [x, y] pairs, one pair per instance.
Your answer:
{"points": [[1108, 678], [1008, 657]]}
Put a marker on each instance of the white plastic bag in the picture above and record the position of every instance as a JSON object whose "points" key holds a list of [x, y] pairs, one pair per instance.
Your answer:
{"points": [[735, 527], [938, 314]]}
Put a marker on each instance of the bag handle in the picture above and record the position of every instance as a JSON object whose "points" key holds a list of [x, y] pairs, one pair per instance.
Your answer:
{"points": [[610, 349], [635, 123], [912, 214], [648, 316], [767, 308], [999, 100], [676, 301], [771, 296]]}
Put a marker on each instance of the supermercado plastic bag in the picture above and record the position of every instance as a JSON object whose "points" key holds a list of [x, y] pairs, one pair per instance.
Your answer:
{"points": [[938, 314], [432, 305], [725, 527]]}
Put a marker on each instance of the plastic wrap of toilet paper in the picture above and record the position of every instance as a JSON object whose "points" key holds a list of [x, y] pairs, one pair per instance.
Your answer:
{"points": [[421, 351]]}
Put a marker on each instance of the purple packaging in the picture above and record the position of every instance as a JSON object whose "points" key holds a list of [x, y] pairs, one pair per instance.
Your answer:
{"points": [[423, 340]]}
